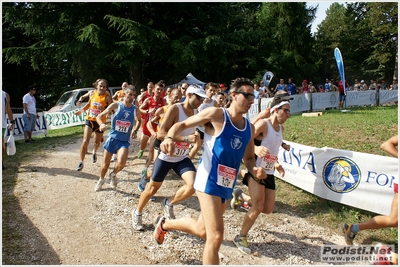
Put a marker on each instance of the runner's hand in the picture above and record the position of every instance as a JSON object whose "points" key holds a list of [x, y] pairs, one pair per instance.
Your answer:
{"points": [[261, 151]]}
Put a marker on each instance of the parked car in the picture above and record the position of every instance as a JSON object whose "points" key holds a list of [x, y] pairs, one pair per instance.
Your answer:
{"points": [[67, 101]]}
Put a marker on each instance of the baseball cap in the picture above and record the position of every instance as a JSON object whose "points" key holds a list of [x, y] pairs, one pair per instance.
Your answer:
{"points": [[197, 90], [222, 85], [362, 81], [283, 95]]}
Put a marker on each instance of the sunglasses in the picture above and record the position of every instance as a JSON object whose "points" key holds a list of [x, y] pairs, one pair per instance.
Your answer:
{"points": [[248, 96], [287, 111], [201, 99], [183, 88]]}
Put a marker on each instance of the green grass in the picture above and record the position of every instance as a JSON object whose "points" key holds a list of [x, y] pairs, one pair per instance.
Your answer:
{"points": [[362, 130]]}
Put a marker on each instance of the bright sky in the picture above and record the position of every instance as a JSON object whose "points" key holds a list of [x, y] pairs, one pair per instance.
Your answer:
{"points": [[320, 16]]}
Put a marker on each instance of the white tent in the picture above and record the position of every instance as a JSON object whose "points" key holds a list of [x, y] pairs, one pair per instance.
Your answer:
{"points": [[190, 79]]}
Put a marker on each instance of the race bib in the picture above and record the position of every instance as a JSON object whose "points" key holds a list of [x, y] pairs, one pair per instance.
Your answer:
{"points": [[93, 113], [226, 176], [268, 162], [181, 149], [122, 126]]}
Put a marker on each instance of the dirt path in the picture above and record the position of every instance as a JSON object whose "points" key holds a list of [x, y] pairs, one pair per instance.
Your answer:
{"points": [[64, 221]]}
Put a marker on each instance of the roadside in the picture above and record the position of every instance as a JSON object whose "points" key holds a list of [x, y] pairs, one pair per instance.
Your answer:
{"points": [[62, 220]]}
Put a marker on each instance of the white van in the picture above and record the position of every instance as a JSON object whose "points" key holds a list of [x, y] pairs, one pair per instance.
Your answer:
{"points": [[67, 101]]}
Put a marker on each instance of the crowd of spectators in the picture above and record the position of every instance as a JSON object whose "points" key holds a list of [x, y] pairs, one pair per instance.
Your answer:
{"points": [[330, 85]]}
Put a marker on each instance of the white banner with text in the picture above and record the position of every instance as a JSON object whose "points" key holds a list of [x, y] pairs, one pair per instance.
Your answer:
{"points": [[356, 179]]}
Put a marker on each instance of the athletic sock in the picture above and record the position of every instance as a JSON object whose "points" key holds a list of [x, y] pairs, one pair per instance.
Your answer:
{"points": [[137, 213]]}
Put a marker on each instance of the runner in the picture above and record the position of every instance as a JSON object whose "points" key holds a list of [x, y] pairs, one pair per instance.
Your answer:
{"points": [[150, 103], [118, 138], [174, 97], [99, 99], [227, 140], [268, 137], [178, 161]]}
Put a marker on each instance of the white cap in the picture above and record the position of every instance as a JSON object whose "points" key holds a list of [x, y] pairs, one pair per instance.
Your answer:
{"points": [[197, 90], [362, 81]]}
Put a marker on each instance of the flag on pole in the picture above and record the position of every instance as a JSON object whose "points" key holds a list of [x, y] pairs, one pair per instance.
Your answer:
{"points": [[339, 61], [267, 78]]}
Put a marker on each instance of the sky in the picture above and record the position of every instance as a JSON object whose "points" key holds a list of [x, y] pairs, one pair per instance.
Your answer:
{"points": [[320, 16]]}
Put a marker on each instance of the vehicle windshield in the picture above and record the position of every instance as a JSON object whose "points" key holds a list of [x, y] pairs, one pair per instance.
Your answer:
{"points": [[64, 98]]}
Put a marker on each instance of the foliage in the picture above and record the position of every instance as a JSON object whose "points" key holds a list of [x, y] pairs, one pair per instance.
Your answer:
{"points": [[63, 45]]}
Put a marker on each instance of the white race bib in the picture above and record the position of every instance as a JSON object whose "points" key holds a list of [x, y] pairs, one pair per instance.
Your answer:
{"points": [[181, 149], [268, 162], [122, 126], [226, 176]]}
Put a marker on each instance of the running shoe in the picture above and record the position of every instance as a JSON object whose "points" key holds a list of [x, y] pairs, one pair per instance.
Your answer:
{"points": [[99, 185], [143, 182], [94, 157], [80, 166], [245, 206], [241, 243], [140, 154], [137, 221], [159, 232], [113, 180], [348, 234], [237, 198], [114, 157], [168, 210]]}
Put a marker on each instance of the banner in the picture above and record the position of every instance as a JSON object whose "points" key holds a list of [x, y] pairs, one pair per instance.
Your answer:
{"points": [[360, 180], [339, 62], [58, 120]]}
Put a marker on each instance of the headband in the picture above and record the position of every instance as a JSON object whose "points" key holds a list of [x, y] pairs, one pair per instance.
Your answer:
{"points": [[279, 105]]}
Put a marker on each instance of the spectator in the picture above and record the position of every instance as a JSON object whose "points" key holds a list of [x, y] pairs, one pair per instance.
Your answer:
{"points": [[30, 115], [364, 86], [281, 86], [6, 111], [304, 87], [292, 88], [327, 85], [312, 87], [395, 84]]}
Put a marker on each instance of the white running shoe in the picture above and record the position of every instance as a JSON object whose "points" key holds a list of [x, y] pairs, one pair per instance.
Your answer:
{"points": [[114, 157], [113, 180], [137, 221], [168, 210], [99, 185]]}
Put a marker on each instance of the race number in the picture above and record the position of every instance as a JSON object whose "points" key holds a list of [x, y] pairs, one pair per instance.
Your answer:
{"points": [[226, 176], [268, 162], [181, 149], [122, 126]]}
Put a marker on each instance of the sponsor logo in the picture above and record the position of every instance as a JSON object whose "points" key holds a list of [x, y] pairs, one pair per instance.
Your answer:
{"points": [[341, 175]]}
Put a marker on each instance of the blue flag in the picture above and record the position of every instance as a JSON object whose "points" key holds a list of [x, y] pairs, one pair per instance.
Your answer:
{"points": [[340, 65]]}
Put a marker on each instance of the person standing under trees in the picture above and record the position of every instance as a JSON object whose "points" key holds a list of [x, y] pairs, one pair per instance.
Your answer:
{"points": [[6, 111], [99, 99], [122, 129], [292, 88], [228, 139], [268, 138], [380, 221], [30, 115]]}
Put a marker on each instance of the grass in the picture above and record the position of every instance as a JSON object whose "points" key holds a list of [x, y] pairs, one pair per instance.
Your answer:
{"points": [[362, 129]]}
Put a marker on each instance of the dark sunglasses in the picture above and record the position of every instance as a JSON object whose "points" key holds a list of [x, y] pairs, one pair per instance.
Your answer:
{"points": [[287, 111], [201, 99], [184, 88], [248, 96]]}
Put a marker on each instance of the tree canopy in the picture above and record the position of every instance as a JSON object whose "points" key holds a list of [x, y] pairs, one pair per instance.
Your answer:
{"points": [[57, 46]]}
